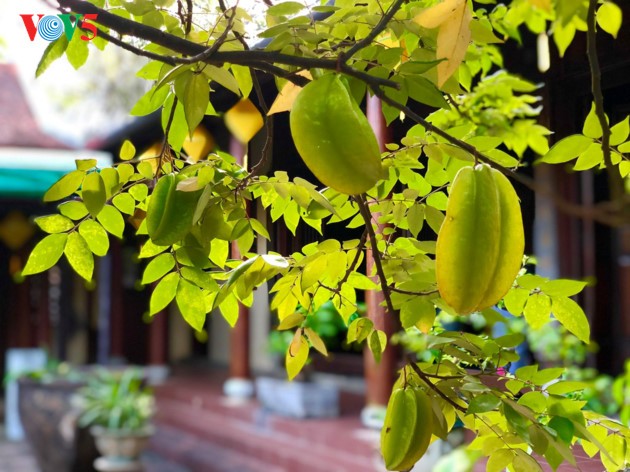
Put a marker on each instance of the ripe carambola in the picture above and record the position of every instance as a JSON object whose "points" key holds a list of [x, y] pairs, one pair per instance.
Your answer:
{"points": [[334, 138], [407, 429], [170, 211], [481, 242]]}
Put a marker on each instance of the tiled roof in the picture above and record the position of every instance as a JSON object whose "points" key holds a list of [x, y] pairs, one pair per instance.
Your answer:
{"points": [[18, 127]]}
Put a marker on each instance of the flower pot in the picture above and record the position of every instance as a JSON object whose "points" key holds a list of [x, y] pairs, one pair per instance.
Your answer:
{"points": [[120, 449], [50, 426]]}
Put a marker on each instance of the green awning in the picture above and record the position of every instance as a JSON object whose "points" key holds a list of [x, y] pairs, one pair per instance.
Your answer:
{"points": [[28, 173]]}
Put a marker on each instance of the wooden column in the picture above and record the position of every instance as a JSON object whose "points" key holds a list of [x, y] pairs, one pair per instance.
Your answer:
{"points": [[379, 377], [158, 339], [239, 335]]}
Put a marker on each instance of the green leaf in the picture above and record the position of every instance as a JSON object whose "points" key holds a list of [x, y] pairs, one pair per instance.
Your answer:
{"points": [[359, 330], [483, 403], [547, 375], [609, 18], [499, 460], [150, 249], [567, 149], [572, 317], [285, 9], [111, 180], [563, 287], [74, 209], [54, 223], [424, 91], [200, 278], [139, 192], [415, 218], [537, 310], [222, 77], [229, 309], [79, 255], [125, 203], [219, 251], [377, 341], [95, 236], [158, 267], [191, 304], [297, 355], [45, 254], [515, 300], [93, 193], [127, 150], [619, 133], [523, 462], [77, 51], [163, 293], [563, 426], [149, 102], [196, 99], [313, 272], [418, 312], [112, 220], [52, 52], [564, 387], [243, 76], [65, 186], [291, 321], [592, 128], [85, 164], [590, 158]]}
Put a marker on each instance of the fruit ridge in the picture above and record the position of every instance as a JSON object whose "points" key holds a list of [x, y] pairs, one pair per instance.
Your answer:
{"points": [[481, 242], [334, 138]]}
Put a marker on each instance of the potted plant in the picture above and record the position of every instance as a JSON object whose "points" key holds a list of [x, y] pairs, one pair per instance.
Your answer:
{"points": [[118, 408], [50, 421]]}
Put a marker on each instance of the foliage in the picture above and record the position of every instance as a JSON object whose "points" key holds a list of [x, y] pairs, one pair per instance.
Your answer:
{"points": [[116, 401], [446, 56]]}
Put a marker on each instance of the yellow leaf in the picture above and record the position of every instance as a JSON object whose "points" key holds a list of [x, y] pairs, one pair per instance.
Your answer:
{"points": [[286, 97], [452, 42], [297, 354], [453, 17], [243, 120], [438, 14], [316, 341]]}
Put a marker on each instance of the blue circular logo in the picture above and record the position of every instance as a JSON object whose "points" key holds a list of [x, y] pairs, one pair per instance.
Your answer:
{"points": [[50, 27]]}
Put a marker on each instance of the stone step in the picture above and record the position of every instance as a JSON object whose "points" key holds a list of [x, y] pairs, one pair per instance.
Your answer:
{"points": [[292, 445]]}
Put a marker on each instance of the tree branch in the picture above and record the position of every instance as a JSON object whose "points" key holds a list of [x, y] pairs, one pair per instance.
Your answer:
{"points": [[616, 181], [367, 218], [595, 212], [251, 58]]}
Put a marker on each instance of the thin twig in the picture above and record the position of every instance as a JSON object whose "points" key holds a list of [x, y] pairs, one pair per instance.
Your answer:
{"points": [[378, 28], [408, 292], [431, 385]]}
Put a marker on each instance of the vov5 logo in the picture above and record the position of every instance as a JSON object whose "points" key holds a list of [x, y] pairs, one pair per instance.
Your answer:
{"points": [[51, 27]]}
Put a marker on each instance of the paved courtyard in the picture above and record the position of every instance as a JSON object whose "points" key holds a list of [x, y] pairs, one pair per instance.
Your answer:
{"points": [[17, 457]]}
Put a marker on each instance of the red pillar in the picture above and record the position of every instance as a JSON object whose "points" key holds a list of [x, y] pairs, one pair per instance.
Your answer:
{"points": [[158, 339], [379, 377], [239, 335]]}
